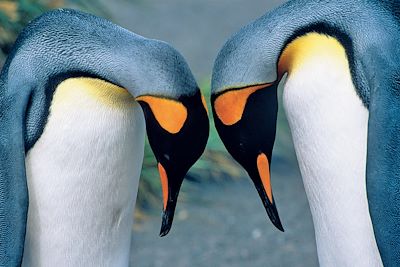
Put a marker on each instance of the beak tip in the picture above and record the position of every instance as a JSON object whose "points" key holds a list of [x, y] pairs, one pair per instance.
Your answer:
{"points": [[274, 217], [278, 225], [271, 210], [166, 224], [164, 231], [165, 228]]}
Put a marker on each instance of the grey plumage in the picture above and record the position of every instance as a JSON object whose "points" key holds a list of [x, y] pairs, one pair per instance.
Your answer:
{"points": [[254, 50], [64, 42]]}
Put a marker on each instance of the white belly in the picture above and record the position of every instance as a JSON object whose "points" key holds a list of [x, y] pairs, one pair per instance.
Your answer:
{"points": [[83, 176], [329, 128]]}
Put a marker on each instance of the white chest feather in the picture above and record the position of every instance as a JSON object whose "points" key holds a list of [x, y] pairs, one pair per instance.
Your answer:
{"points": [[83, 176], [329, 128]]}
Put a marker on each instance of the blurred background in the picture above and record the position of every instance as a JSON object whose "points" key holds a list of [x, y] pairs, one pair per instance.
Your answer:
{"points": [[220, 220]]}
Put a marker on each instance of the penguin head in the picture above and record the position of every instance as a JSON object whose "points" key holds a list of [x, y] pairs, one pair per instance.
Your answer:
{"points": [[177, 129], [176, 122], [247, 127], [244, 105]]}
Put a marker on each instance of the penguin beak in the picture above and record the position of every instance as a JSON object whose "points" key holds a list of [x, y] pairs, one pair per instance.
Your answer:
{"points": [[245, 119], [177, 130], [170, 191]]}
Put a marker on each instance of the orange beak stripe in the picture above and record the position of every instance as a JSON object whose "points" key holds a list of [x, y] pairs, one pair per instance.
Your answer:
{"points": [[164, 184], [203, 100], [170, 114], [229, 106], [263, 171]]}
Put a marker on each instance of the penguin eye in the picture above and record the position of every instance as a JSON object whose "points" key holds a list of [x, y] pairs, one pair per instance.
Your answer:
{"points": [[170, 114]]}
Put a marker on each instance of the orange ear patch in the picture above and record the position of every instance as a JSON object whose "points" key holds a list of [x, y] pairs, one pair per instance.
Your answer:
{"points": [[229, 106], [170, 114], [164, 184], [263, 171]]}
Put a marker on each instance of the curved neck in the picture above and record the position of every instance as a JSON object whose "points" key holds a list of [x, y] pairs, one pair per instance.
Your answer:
{"points": [[358, 25], [67, 41]]}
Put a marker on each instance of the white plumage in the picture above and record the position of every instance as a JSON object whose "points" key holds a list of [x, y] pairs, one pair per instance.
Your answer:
{"points": [[329, 126], [83, 177]]}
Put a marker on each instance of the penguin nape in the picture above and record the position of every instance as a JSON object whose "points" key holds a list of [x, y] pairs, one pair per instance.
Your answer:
{"points": [[73, 93], [340, 60]]}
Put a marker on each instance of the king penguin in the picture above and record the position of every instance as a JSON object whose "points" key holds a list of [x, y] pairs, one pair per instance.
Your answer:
{"points": [[77, 94], [339, 64]]}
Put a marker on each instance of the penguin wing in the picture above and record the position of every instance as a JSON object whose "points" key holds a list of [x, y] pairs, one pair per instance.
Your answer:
{"points": [[383, 166], [13, 186]]}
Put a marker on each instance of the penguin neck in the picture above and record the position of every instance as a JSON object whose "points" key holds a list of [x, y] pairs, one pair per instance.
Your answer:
{"points": [[65, 41], [258, 46], [82, 177], [329, 125]]}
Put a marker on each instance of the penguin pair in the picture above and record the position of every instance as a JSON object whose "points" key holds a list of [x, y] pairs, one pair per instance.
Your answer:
{"points": [[77, 94], [339, 62], [75, 88]]}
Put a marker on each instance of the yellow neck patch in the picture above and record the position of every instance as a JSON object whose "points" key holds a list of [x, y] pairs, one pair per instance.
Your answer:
{"points": [[105, 92], [308, 47]]}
